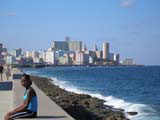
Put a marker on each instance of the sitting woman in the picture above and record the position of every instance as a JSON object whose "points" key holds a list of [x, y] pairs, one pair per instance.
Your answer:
{"points": [[29, 108]]}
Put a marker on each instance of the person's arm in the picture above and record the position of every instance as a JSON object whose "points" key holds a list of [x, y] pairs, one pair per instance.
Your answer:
{"points": [[25, 105]]}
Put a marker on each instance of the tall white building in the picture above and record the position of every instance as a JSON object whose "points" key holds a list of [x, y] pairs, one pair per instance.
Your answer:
{"points": [[28, 54], [99, 55], [1, 50], [105, 50], [50, 57], [82, 58], [42, 55], [114, 57], [35, 54], [16, 52], [10, 60]]}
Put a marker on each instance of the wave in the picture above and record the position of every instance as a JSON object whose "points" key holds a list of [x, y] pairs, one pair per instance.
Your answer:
{"points": [[144, 111], [32, 72]]}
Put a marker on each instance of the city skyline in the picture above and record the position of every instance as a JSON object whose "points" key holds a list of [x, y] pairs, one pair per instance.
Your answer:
{"points": [[130, 26]]}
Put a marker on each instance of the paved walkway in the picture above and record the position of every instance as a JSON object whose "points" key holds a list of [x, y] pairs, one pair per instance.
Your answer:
{"points": [[48, 110], [5, 99]]}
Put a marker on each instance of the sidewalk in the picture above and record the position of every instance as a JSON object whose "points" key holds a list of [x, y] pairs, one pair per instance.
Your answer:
{"points": [[5, 99]]}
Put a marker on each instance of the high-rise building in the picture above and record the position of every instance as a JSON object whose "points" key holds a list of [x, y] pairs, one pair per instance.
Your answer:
{"points": [[82, 58], [84, 48], [16, 52], [99, 55], [67, 45], [95, 48], [75, 45], [35, 54], [42, 55], [1, 50], [50, 57], [10, 60], [67, 38], [105, 51], [28, 54], [60, 45]]}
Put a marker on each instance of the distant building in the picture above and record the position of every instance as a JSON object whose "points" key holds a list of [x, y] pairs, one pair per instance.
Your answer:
{"points": [[65, 59], [91, 60], [34, 54], [59, 54], [28, 54], [60, 45], [128, 61], [92, 54], [99, 55], [84, 48], [38, 60], [10, 60], [105, 51], [95, 48], [82, 58], [75, 45], [67, 45], [16, 52], [67, 38], [50, 57], [1, 50], [73, 57], [114, 57], [42, 55]]}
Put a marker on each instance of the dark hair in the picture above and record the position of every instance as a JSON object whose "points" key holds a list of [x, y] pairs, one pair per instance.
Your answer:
{"points": [[27, 77]]}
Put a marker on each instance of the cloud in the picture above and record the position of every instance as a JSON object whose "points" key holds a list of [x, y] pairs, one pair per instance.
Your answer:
{"points": [[127, 3], [11, 14]]}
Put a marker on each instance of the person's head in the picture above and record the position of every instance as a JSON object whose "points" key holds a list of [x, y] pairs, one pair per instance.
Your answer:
{"points": [[26, 81]]}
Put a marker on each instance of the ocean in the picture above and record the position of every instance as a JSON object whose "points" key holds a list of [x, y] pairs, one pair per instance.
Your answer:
{"points": [[134, 88]]}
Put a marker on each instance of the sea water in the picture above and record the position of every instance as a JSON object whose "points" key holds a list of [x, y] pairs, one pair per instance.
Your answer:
{"points": [[134, 88]]}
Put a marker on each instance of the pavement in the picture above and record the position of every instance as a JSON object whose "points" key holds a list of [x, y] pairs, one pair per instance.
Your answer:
{"points": [[5, 97], [9, 99]]}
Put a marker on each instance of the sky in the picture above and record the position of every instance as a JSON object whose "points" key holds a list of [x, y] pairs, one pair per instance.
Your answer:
{"points": [[132, 27]]}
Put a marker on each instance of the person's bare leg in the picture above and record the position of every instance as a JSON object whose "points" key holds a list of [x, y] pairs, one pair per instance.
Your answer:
{"points": [[7, 118]]}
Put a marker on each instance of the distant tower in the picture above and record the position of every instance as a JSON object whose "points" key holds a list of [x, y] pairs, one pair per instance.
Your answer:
{"points": [[67, 38], [105, 50], [84, 48], [95, 48]]}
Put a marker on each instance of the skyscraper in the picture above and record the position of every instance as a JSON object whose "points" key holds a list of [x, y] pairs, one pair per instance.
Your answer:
{"points": [[105, 51], [95, 48], [67, 45], [75, 45], [67, 38], [16, 52], [1, 50]]}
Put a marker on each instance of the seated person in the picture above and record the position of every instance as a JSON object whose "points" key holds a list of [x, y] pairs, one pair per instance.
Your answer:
{"points": [[29, 107]]}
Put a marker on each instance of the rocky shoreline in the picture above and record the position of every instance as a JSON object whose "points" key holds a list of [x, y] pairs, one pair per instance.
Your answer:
{"points": [[79, 106]]}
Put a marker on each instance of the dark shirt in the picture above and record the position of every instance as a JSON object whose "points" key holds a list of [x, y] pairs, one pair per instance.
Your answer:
{"points": [[1, 69]]}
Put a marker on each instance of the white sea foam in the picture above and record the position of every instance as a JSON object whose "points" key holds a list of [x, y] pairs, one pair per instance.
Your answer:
{"points": [[32, 72], [142, 109]]}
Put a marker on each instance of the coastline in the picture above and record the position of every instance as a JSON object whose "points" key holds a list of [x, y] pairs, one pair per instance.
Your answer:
{"points": [[79, 106], [72, 65]]}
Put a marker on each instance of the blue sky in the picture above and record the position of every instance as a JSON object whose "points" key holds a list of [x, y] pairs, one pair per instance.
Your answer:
{"points": [[132, 27]]}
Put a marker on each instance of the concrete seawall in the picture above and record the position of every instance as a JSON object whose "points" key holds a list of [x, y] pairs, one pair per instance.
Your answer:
{"points": [[12, 98]]}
